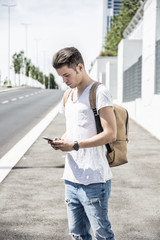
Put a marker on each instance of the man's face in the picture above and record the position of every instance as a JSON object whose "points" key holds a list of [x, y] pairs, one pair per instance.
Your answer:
{"points": [[70, 76]]}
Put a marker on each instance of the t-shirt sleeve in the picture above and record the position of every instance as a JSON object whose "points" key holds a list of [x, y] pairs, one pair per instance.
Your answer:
{"points": [[103, 97]]}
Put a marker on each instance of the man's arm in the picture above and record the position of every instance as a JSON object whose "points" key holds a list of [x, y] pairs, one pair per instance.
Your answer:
{"points": [[108, 135]]}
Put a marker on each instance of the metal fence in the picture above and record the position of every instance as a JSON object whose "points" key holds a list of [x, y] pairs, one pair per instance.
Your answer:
{"points": [[157, 69], [132, 79]]}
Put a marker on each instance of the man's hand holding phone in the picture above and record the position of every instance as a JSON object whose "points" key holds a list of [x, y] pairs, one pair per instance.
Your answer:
{"points": [[48, 139], [56, 143], [60, 144], [52, 142]]}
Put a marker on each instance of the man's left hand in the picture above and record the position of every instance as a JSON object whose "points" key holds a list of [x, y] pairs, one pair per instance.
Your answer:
{"points": [[64, 145]]}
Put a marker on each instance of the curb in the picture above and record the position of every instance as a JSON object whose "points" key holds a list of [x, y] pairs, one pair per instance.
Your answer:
{"points": [[9, 89]]}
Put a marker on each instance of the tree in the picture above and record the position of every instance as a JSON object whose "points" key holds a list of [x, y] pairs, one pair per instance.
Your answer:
{"points": [[18, 65], [53, 84], [28, 65], [128, 9], [36, 73], [46, 79], [40, 77], [32, 71], [20, 62]]}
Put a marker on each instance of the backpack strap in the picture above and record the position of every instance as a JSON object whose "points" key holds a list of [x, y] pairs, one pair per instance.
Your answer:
{"points": [[92, 99], [66, 96], [92, 95]]}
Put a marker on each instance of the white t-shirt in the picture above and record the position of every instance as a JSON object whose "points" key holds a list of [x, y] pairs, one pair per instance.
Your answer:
{"points": [[88, 165]]}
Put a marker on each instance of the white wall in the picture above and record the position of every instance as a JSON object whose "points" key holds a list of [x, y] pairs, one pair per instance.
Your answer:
{"points": [[158, 21], [94, 71], [140, 42], [99, 67], [137, 33], [146, 111], [128, 53], [111, 77], [148, 116], [148, 60], [28, 81], [104, 70]]}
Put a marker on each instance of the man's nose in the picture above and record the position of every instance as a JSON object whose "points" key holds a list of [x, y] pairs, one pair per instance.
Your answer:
{"points": [[64, 79]]}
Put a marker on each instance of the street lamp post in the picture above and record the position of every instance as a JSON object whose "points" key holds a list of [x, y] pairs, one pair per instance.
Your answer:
{"points": [[9, 6], [37, 41], [44, 66], [26, 36], [26, 43]]}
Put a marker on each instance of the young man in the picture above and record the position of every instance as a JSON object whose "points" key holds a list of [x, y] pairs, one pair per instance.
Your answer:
{"points": [[87, 174]]}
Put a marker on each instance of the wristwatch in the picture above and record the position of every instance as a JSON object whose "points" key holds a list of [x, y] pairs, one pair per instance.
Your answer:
{"points": [[76, 146]]}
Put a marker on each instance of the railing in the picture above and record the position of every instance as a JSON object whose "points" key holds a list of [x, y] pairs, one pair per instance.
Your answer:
{"points": [[157, 68], [132, 79]]}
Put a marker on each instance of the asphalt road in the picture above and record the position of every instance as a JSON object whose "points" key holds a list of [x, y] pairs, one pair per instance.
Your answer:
{"points": [[21, 110]]}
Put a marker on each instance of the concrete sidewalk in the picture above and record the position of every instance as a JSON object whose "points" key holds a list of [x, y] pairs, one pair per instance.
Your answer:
{"points": [[32, 196]]}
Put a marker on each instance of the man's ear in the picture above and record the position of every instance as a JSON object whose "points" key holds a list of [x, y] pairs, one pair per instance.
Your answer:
{"points": [[80, 67]]}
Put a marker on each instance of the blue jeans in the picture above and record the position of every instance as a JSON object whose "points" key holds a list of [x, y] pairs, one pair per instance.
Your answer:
{"points": [[87, 205]]}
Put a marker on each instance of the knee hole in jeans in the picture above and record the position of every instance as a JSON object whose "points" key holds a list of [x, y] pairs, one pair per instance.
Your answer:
{"points": [[95, 200], [67, 201], [76, 237]]}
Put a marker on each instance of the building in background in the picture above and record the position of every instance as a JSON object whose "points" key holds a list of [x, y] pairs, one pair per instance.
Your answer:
{"points": [[133, 77], [110, 8], [104, 70], [139, 67]]}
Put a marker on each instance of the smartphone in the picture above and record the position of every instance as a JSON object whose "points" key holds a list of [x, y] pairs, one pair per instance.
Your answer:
{"points": [[48, 139]]}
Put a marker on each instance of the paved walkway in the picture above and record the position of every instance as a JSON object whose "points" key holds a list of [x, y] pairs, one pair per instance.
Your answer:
{"points": [[32, 196]]}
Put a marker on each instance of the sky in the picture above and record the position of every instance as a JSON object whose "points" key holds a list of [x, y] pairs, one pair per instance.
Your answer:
{"points": [[52, 25]]}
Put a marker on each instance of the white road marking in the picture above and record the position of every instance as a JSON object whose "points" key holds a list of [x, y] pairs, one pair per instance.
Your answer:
{"points": [[13, 99], [4, 102], [21, 97], [10, 159]]}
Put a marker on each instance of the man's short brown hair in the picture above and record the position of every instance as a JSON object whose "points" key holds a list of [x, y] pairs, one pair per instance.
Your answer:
{"points": [[69, 57]]}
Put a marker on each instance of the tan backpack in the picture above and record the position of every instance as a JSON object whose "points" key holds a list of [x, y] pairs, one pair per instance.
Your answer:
{"points": [[116, 151]]}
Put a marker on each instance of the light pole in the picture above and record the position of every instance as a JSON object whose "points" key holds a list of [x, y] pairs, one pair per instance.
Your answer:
{"points": [[26, 36], [37, 40], [9, 6], [26, 44], [44, 66]]}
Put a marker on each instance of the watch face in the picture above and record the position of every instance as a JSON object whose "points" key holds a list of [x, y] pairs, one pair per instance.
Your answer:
{"points": [[76, 146]]}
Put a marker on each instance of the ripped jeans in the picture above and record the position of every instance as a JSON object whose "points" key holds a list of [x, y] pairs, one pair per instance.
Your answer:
{"points": [[87, 206]]}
